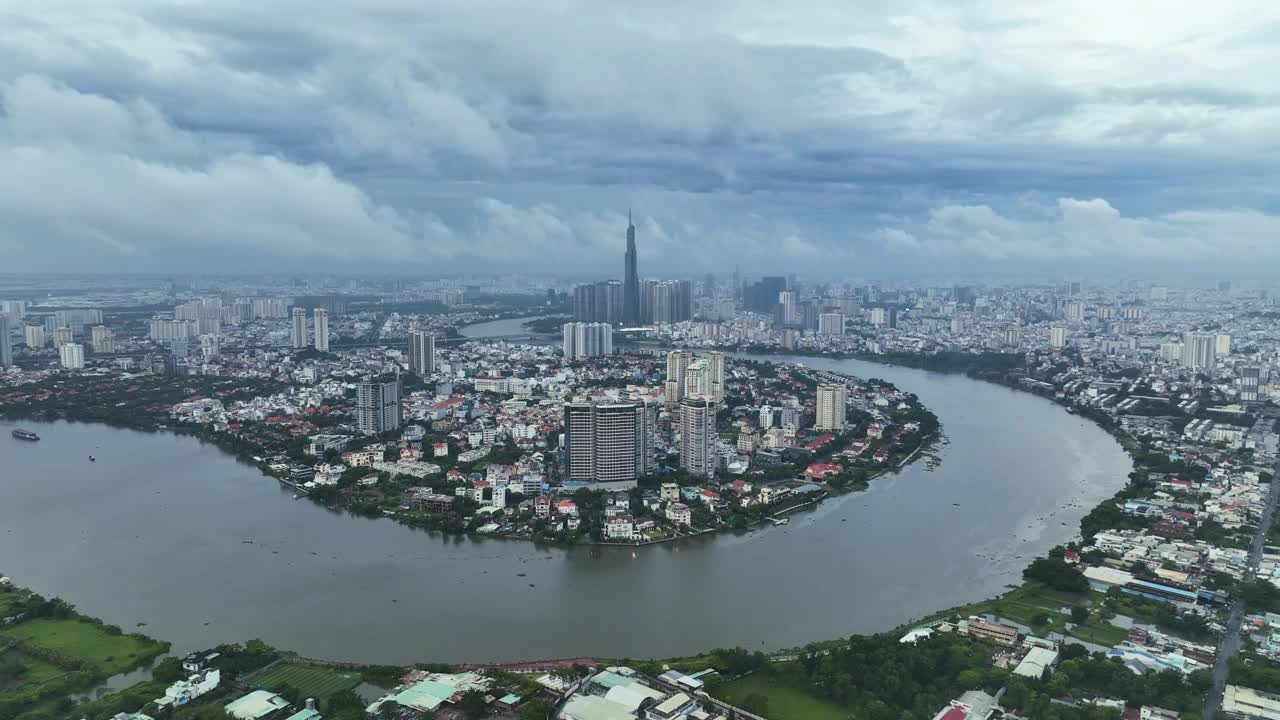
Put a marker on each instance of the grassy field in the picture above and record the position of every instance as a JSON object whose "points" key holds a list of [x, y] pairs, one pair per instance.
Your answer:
{"points": [[785, 701], [101, 651], [1030, 600], [312, 681]]}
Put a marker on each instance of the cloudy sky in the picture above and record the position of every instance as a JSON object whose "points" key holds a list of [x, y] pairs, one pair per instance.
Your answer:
{"points": [[825, 136]]}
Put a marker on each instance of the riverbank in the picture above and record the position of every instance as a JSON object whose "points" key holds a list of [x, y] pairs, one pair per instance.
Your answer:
{"points": [[49, 652]]}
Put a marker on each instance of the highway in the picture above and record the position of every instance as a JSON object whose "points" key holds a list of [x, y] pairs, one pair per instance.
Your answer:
{"points": [[1231, 639]]}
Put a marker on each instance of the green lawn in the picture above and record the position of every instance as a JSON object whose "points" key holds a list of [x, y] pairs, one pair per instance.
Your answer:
{"points": [[785, 700], [80, 640], [312, 681]]}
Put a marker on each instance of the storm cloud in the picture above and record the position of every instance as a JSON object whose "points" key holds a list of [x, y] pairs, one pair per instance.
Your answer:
{"points": [[833, 137]]}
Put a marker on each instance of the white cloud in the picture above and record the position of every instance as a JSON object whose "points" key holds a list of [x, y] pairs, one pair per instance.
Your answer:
{"points": [[1085, 229]]}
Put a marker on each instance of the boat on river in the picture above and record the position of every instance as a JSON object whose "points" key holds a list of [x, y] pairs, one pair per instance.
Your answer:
{"points": [[25, 435]]}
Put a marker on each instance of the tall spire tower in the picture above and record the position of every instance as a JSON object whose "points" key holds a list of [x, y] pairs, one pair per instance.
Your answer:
{"points": [[631, 281]]}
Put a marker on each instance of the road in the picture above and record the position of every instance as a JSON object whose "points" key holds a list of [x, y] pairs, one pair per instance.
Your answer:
{"points": [[1231, 639]]}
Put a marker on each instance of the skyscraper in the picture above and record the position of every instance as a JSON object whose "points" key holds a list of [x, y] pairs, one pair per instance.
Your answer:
{"points": [[607, 442], [631, 281], [790, 310], [677, 363], [1057, 337], [34, 336], [298, 334], [103, 339], [582, 340], [6, 343], [422, 352], [698, 436], [1199, 351], [378, 405], [322, 330], [832, 400], [72, 356]]}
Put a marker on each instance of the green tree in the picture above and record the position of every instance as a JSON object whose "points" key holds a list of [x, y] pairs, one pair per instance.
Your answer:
{"points": [[472, 704], [1079, 614]]}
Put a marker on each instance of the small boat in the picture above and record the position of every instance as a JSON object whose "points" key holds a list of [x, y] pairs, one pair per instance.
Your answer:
{"points": [[25, 435], [93, 459]]}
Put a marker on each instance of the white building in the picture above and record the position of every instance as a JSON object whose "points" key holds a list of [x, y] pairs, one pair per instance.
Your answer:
{"points": [[698, 436], [832, 323], [1199, 350], [583, 340], [72, 355], [298, 330], [1057, 337], [322, 330], [831, 406], [34, 336]]}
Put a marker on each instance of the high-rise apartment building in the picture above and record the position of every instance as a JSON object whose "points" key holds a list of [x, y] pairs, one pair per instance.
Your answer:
{"points": [[666, 301], [321, 320], [698, 437], [1199, 351], [378, 407], [76, 319], [34, 336], [62, 336], [72, 356], [6, 342], [206, 312], [704, 378], [879, 317], [164, 330], [1159, 293], [1057, 337], [298, 331], [583, 340], [677, 363], [422, 352], [631, 280], [1073, 311], [1222, 344], [607, 442], [790, 308], [831, 405], [15, 309], [270, 308], [598, 302], [831, 323], [103, 339]]}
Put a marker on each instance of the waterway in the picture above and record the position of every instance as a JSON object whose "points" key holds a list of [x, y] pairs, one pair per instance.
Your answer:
{"points": [[170, 532]]}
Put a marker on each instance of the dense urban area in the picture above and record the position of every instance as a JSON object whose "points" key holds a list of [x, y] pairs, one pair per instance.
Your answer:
{"points": [[638, 412]]}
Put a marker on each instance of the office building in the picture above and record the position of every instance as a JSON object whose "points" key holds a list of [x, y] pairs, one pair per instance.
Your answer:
{"points": [[789, 308], [831, 323], [72, 356], [422, 352], [164, 330], [321, 319], [584, 340], [34, 336], [762, 296], [608, 442], [1057, 337], [677, 363], [630, 280], [103, 339], [6, 342], [831, 405], [298, 331], [378, 407], [1199, 351], [698, 438], [1250, 382]]}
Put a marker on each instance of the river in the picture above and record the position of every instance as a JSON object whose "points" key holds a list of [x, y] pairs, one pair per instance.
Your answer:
{"points": [[170, 532]]}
